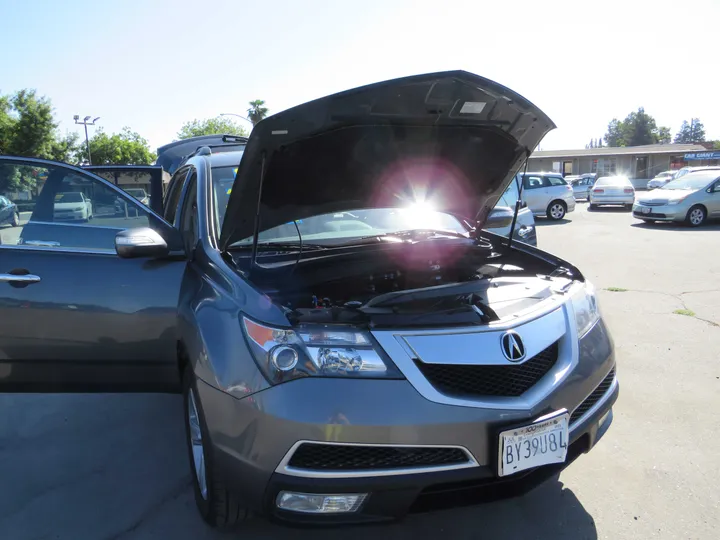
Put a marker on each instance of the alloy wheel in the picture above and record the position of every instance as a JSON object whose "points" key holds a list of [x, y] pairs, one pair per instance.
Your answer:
{"points": [[196, 443], [697, 216]]}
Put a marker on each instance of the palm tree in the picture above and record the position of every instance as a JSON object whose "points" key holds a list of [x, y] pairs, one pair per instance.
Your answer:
{"points": [[257, 112]]}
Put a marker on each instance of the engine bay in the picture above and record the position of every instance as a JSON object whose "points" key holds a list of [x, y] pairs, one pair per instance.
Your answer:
{"points": [[448, 282]]}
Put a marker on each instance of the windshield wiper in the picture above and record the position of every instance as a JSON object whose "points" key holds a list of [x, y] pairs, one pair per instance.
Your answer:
{"points": [[275, 246], [413, 233]]}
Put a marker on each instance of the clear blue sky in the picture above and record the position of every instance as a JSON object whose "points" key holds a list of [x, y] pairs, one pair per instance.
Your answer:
{"points": [[154, 64]]}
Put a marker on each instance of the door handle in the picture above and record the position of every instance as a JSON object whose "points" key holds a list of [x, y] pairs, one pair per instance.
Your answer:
{"points": [[41, 243], [19, 278]]}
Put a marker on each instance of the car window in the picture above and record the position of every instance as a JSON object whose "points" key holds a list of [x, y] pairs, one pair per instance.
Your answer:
{"points": [[172, 198], [555, 181], [532, 182], [510, 196], [222, 183], [189, 216], [59, 207]]}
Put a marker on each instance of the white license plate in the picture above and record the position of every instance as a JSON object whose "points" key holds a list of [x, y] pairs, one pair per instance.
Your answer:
{"points": [[541, 443], [645, 210]]}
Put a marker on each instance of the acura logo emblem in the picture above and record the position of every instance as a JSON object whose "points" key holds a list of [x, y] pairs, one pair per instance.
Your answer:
{"points": [[512, 346]]}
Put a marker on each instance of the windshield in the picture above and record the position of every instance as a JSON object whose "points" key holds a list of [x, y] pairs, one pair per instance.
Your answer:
{"points": [[68, 197], [612, 181], [338, 227], [692, 181]]}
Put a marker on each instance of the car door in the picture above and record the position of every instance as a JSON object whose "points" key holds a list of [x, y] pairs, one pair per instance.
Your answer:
{"points": [[534, 193], [74, 316], [713, 200]]}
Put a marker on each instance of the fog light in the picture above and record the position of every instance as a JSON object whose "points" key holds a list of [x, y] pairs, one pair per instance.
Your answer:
{"points": [[316, 503]]}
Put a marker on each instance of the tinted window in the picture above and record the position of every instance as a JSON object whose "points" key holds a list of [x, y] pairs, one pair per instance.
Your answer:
{"points": [[172, 199], [62, 208], [533, 182], [222, 182]]}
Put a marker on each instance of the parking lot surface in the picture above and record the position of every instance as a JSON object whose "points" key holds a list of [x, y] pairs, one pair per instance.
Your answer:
{"points": [[115, 466]]}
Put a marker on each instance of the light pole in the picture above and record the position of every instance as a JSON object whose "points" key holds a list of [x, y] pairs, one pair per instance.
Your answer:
{"points": [[86, 124], [239, 116]]}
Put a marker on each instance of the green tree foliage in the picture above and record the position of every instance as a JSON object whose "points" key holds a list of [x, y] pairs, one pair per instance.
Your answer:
{"points": [[211, 126], [124, 148], [691, 132], [257, 111], [66, 148], [637, 129], [28, 125]]}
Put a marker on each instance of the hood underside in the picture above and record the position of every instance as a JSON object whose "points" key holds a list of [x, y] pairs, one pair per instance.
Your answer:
{"points": [[450, 140]]}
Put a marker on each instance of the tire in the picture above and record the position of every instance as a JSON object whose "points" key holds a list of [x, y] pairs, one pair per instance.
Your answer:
{"points": [[15, 220], [592, 206], [628, 207], [556, 210], [217, 505], [696, 216]]}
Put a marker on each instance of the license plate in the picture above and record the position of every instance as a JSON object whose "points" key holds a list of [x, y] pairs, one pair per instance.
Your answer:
{"points": [[542, 443], [645, 210]]}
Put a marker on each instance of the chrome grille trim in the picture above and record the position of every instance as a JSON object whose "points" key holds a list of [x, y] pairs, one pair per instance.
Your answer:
{"points": [[284, 467]]}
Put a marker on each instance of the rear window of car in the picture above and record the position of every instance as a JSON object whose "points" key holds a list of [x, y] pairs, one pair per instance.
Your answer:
{"points": [[556, 181], [613, 181]]}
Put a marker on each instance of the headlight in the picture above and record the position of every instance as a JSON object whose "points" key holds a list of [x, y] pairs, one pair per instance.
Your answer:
{"points": [[320, 351], [676, 201], [587, 310]]}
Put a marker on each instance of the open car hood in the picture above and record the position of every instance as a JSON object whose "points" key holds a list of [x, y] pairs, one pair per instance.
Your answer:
{"points": [[452, 140]]}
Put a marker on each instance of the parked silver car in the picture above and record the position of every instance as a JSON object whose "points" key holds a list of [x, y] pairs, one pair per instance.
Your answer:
{"points": [[581, 185], [547, 194], [612, 190], [525, 230], [687, 170], [694, 198], [661, 179]]}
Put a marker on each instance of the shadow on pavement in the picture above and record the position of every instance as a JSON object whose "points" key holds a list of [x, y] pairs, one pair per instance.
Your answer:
{"points": [[543, 222], [113, 466], [673, 226]]}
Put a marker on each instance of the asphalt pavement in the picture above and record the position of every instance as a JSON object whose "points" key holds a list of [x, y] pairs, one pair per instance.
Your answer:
{"points": [[114, 466]]}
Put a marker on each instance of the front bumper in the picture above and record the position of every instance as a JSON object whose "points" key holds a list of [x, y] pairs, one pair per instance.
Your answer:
{"points": [[667, 212], [250, 437]]}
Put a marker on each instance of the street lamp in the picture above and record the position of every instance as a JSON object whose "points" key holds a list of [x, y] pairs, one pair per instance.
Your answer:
{"points": [[239, 116], [86, 124]]}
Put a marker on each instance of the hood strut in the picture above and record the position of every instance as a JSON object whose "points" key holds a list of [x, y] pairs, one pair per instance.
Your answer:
{"points": [[253, 255], [518, 203]]}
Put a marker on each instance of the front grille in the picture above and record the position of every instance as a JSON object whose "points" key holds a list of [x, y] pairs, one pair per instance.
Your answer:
{"points": [[332, 457], [593, 398], [473, 381], [650, 215], [652, 203]]}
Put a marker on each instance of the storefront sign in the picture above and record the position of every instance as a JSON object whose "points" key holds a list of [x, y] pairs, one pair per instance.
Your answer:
{"points": [[702, 155]]}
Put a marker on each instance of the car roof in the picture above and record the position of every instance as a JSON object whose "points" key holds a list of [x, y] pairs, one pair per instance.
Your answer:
{"points": [[542, 174]]}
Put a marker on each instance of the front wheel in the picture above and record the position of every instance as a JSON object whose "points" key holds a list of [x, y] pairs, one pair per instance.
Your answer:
{"points": [[15, 220], [218, 507], [696, 216], [556, 210]]}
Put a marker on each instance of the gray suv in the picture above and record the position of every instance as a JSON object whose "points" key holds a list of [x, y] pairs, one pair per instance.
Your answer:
{"points": [[350, 343]]}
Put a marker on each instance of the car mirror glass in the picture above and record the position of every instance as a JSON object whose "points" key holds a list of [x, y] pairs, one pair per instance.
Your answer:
{"points": [[140, 242]]}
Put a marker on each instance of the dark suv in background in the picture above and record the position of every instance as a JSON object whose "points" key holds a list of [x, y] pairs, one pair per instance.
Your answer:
{"points": [[350, 343]]}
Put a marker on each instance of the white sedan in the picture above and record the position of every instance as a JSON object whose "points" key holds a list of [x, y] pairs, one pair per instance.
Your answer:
{"points": [[614, 190], [72, 206], [661, 179]]}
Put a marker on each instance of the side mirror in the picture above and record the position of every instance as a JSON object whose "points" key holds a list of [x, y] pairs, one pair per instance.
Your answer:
{"points": [[140, 242], [499, 218]]}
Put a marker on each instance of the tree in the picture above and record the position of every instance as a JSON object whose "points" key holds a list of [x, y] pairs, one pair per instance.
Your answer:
{"points": [[31, 127], [211, 126], [691, 132], [638, 128], [67, 148], [600, 143], [257, 111], [664, 136], [124, 148]]}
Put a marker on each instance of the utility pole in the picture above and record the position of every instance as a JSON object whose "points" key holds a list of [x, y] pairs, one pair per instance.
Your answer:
{"points": [[86, 124]]}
